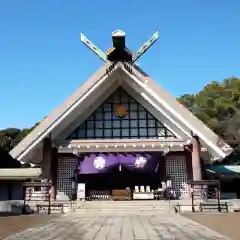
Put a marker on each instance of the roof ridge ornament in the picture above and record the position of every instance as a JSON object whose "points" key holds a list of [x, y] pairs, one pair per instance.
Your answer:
{"points": [[119, 51]]}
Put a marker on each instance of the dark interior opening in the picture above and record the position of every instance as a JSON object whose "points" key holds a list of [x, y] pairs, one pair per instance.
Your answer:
{"points": [[119, 179]]}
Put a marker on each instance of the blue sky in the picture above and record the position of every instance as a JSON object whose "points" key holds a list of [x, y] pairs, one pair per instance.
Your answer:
{"points": [[42, 60]]}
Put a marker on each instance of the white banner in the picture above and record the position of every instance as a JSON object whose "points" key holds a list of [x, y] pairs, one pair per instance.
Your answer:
{"points": [[81, 191]]}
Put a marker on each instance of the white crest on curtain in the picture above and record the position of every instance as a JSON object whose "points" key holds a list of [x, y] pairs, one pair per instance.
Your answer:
{"points": [[99, 162], [140, 162]]}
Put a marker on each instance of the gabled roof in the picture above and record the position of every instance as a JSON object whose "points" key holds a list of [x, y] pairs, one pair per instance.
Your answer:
{"points": [[149, 89]]}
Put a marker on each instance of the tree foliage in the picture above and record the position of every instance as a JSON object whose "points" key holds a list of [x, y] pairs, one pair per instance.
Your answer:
{"points": [[10, 137], [218, 106]]}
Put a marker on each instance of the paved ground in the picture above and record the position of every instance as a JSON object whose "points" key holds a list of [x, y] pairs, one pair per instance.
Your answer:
{"points": [[227, 224], [76, 226], [15, 224]]}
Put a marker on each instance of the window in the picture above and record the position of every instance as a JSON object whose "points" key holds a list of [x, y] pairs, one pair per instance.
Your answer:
{"points": [[107, 115], [143, 132], [90, 124], [133, 115], [98, 116], [99, 132], [116, 132], [104, 124], [152, 132], [143, 115], [134, 132], [134, 124], [151, 123], [116, 124], [81, 133], [99, 124], [125, 133], [108, 133], [133, 107], [142, 123], [125, 123], [90, 133], [107, 107], [107, 124]]}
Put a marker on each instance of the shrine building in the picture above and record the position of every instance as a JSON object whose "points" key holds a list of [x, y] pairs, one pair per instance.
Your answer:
{"points": [[120, 130]]}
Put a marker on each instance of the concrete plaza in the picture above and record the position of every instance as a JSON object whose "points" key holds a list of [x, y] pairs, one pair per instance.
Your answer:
{"points": [[114, 226]]}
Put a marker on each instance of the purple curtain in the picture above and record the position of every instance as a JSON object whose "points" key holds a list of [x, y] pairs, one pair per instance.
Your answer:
{"points": [[104, 162]]}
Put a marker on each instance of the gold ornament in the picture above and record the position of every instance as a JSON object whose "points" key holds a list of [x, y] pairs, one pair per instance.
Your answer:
{"points": [[121, 111]]}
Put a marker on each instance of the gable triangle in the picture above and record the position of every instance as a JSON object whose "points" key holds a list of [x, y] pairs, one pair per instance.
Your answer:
{"points": [[121, 117]]}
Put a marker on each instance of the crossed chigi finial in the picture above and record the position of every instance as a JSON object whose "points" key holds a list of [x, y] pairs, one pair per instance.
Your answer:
{"points": [[119, 51]]}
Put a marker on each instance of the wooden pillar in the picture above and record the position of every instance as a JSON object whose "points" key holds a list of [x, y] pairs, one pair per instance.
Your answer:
{"points": [[47, 158], [48, 164], [188, 154], [196, 159], [162, 170], [54, 165]]}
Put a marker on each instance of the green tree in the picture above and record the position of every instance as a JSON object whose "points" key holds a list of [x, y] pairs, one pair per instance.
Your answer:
{"points": [[10, 137], [217, 105]]}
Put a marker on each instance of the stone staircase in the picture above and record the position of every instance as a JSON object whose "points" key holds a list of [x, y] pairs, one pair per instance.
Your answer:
{"points": [[127, 207], [123, 207]]}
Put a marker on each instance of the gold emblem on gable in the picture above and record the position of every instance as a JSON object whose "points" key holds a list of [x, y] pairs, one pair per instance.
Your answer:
{"points": [[121, 111]]}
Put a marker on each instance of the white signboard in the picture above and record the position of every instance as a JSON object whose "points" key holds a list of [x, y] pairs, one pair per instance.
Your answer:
{"points": [[169, 183], [143, 196], [81, 191]]}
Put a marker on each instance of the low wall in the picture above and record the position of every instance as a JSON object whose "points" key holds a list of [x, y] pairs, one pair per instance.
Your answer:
{"points": [[11, 207]]}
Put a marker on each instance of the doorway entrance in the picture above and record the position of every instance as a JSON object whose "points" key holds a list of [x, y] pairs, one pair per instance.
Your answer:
{"points": [[117, 181]]}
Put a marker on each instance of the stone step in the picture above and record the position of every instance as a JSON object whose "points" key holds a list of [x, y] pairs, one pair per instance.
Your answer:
{"points": [[124, 206], [111, 213], [125, 203], [123, 210], [121, 207], [118, 206]]}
